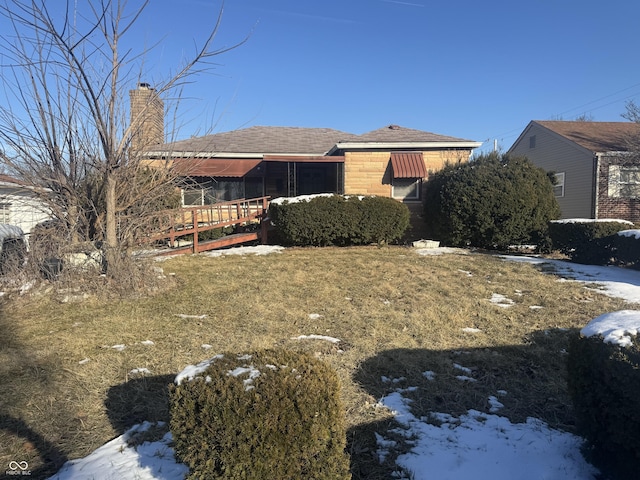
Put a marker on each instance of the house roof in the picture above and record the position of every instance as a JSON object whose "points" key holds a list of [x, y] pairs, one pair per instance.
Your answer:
{"points": [[7, 180], [260, 141], [398, 134], [596, 136], [256, 142]]}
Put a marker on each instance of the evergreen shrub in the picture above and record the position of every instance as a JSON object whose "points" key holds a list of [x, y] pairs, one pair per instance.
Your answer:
{"points": [[585, 240], [604, 383], [627, 249], [272, 414], [493, 202], [340, 221]]}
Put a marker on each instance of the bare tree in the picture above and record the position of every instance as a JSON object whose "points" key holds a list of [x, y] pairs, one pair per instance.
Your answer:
{"points": [[65, 126], [632, 114]]}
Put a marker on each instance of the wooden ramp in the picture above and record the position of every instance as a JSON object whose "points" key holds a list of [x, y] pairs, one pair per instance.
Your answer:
{"points": [[172, 225]]}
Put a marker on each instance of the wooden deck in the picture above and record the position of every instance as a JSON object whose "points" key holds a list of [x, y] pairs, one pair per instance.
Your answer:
{"points": [[172, 225]]}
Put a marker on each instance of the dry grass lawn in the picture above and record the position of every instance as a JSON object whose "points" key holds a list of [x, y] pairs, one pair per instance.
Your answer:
{"points": [[66, 391]]}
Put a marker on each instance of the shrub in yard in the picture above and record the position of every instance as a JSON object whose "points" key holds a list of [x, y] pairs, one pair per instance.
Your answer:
{"points": [[272, 414], [339, 220], [586, 240], [626, 248], [491, 202], [604, 383]]}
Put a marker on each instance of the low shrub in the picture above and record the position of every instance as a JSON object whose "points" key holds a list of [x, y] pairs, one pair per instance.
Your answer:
{"points": [[341, 221], [271, 414], [626, 248], [585, 240], [604, 383]]}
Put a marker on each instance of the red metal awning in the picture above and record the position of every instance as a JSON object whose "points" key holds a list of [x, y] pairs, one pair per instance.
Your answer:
{"points": [[214, 167], [408, 165]]}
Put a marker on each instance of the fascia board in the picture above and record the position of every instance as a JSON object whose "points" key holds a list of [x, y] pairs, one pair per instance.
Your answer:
{"points": [[401, 145]]}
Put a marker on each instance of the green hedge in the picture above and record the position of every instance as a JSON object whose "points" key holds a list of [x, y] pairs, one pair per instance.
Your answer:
{"points": [[626, 249], [604, 383], [492, 202], [271, 414], [585, 240], [341, 221]]}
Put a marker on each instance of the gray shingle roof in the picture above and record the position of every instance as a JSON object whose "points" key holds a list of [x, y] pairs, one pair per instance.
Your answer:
{"points": [[264, 140], [396, 133], [295, 140]]}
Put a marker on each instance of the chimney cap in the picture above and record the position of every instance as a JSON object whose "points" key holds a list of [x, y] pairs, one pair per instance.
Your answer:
{"points": [[144, 86]]}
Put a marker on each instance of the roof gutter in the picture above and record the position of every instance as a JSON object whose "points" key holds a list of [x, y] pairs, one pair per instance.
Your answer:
{"points": [[400, 145], [205, 154]]}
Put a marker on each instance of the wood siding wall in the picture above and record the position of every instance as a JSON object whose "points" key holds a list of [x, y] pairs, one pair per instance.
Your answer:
{"points": [[553, 152]]}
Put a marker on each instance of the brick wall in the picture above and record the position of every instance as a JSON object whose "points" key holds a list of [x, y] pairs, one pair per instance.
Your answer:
{"points": [[610, 206], [367, 173], [147, 118]]}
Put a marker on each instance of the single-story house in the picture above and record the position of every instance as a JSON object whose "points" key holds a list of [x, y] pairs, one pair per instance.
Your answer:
{"points": [[260, 161], [20, 205], [596, 166]]}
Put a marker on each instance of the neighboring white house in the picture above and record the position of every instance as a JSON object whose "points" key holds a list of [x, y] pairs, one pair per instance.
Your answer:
{"points": [[20, 205], [597, 171]]}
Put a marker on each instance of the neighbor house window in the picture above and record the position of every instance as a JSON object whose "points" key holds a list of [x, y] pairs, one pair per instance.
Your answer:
{"points": [[624, 182], [532, 141], [5, 214], [558, 188], [406, 188]]}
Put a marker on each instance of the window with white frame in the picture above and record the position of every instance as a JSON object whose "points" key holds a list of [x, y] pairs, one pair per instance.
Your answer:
{"points": [[558, 188], [624, 181], [406, 188], [5, 212]]}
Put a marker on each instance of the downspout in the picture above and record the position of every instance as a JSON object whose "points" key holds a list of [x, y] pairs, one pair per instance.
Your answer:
{"points": [[596, 187]]}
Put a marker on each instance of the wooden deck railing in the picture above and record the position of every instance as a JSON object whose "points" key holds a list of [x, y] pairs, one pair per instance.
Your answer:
{"points": [[172, 224]]}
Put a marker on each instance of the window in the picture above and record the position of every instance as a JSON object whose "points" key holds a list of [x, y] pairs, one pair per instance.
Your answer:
{"points": [[222, 191], [406, 188], [532, 141], [5, 212], [624, 182], [558, 188]]}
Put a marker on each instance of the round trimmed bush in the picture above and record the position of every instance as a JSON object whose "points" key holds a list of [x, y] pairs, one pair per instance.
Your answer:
{"points": [[494, 201], [271, 414]]}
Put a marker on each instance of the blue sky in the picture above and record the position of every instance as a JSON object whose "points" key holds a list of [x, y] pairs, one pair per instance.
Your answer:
{"points": [[470, 69]]}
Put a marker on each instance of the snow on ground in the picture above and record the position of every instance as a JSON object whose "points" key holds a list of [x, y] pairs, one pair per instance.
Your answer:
{"points": [[476, 445], [613, 281]]}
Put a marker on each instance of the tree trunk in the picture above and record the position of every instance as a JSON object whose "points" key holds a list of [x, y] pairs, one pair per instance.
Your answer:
{"points": [[110, 247]]}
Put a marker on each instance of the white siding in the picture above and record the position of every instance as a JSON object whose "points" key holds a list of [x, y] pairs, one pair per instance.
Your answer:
{"points": [[553, 152], [22, 209]]}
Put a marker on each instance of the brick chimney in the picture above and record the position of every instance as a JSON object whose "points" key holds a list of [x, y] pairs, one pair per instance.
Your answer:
{"points": [[147, 118]]}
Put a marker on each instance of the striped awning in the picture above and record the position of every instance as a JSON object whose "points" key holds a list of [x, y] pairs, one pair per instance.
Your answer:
{"points": [[408, 165], [214, 167]]}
